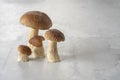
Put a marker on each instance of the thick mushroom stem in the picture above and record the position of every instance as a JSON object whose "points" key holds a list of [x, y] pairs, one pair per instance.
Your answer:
{"points": [[23, 57], [38, 52], [52, 53], [33, 32]]}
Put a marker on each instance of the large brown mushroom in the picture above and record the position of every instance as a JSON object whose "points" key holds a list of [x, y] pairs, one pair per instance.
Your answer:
{"points": [[35, 20], [24, 52], [53, 36], [37, 49]]}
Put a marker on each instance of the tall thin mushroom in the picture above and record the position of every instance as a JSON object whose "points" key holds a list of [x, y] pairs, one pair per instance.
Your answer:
{"points": [[53, 36]]}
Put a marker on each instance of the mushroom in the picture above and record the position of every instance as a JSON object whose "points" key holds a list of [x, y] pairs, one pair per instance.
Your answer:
{"points": [[24, 52], [53, 36], [37, 49], [35, 20]]}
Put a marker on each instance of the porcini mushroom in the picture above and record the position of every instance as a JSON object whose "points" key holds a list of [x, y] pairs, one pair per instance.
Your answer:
{"points": [[24, 52], [35, 20], [37, 49], [53, 36]]}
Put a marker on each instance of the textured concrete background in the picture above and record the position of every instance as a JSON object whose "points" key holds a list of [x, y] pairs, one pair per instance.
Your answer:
{"points": [[91, 50]]}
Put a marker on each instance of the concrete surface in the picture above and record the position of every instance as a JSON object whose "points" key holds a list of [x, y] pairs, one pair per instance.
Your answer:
{"points": [[91, 50]]}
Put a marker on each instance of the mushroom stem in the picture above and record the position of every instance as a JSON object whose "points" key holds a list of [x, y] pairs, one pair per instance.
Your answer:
{"points": [[38, 52], [52, 53], [22, 57], [33, 32]]}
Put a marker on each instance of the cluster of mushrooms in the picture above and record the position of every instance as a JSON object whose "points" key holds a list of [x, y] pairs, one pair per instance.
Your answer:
{"points": [[36, 21]]}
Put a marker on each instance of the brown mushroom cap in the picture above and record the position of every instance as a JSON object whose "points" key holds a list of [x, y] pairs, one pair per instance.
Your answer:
{"points": [[36, 41], [24, 49], [36, 20], [54, 35]]}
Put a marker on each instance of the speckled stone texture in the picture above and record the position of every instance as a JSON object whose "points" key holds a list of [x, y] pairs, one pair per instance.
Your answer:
{"points": [[91, 50]]}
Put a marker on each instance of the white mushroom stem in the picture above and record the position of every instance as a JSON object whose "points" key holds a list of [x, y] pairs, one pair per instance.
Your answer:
{"points": [[33, 32], [52, 53], [23, 57], [38, 52]]}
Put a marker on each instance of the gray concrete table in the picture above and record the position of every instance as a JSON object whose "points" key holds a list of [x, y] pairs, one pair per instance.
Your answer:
{"points": [[91, 50]]}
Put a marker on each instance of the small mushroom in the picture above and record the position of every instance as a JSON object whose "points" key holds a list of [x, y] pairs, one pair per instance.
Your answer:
{"points": [[24, 52], [35, 20], [53, 36], [37, 49]]}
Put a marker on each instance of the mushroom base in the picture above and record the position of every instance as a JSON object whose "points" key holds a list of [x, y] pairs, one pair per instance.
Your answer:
{"points": [[52, 53], [38, 52], [23, 58]]}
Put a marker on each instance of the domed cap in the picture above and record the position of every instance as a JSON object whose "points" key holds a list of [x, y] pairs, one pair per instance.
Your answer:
{"points": [[36, 20], [54, 35], [36, 41], [24, 49]]}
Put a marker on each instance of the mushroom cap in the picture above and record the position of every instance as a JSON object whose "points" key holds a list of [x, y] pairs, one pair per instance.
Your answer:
{"points": [[24, 50], [54, 35], [36, 41], [36, 20]]}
